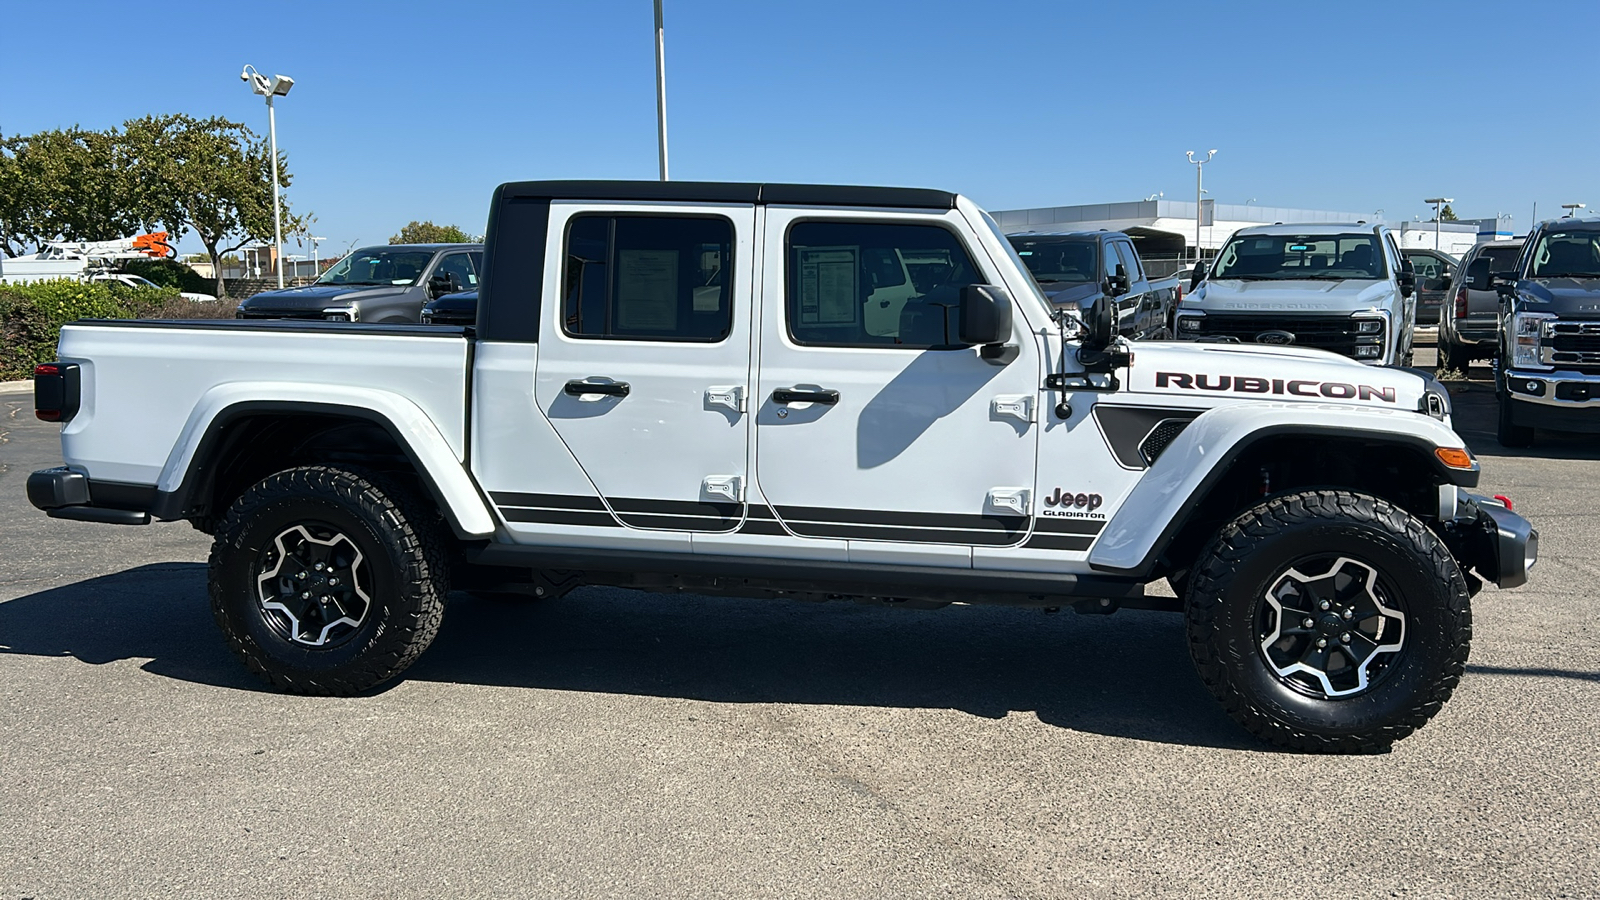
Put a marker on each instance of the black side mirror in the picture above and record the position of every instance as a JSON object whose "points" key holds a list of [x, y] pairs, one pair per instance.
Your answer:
{"points": [[1197, 276], [1503, 283], [1117, 285], [443, 283], [1445, 281], [1101, 319], [1407, 278], [985, 315]]}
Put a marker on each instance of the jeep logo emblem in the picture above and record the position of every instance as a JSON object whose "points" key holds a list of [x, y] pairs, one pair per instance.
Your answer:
{"points": [[1275, 337], [1068, 499]]}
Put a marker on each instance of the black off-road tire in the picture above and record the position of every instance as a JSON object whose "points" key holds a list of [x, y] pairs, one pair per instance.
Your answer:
{"points": [[402, 545], [1252, 554]]}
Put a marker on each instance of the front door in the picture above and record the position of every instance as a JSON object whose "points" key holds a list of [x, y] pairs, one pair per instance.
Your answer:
{"points": [[883, 429], [644, 361]]}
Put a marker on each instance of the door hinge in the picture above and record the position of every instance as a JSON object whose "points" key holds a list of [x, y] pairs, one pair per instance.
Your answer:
{"points": [[1016, 406], [731, 397], [728, 488], [1009, 500]]}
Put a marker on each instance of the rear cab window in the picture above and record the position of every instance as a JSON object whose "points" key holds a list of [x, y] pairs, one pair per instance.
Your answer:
{"points": [[648, 277]]}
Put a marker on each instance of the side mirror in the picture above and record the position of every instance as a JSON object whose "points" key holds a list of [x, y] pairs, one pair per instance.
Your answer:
{"points": [[1197, 276], [1503, 283], [1407, 278], [1117, 285], [1445, 281], [1101, 319], [442, 284], [985, 315]]}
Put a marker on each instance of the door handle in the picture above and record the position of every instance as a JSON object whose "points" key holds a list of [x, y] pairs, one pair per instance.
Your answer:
{"points": [[796, 395], [578, 388]]}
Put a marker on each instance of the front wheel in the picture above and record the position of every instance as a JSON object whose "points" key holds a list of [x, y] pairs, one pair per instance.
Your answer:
{"points": [[328, 580], [1507, 431], [1329, 621]]}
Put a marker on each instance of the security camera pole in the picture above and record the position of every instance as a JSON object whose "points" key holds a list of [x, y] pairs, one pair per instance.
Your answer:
{"points": [[1572, 209], [1438, 210], [277, 86], [1198, 192]]}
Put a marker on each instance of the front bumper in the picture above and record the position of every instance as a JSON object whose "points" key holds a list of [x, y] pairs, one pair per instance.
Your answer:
{"points": [[1488, 538], [1561, 400], [66, 493]]}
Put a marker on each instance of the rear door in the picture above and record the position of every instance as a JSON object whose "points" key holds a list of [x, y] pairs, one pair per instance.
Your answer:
{"points": [[883, 431], [644, 362]]}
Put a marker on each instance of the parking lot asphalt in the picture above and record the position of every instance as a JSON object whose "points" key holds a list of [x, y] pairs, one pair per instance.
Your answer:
{"points": [[614, 744]]}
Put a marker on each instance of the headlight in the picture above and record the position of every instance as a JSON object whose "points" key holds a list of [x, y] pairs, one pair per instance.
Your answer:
{"points": [[1188, 323], [341, 314], [1369, 326], [1528, 330]]}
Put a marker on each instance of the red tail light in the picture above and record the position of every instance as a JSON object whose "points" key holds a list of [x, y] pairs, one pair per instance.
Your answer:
{"points": [[1180, 293], [1461, 303], [56, 391]]}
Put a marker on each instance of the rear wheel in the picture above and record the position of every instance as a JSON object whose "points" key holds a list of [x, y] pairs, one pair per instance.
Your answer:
{"points": [[327, 580], [1453, 356], [1329, 621]]}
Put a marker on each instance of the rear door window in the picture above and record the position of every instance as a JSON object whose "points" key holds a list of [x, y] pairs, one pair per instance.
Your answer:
{"points": [[648, 278]]}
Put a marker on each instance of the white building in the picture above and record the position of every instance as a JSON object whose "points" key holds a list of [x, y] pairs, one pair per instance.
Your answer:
{"points": [[1177, 218]]}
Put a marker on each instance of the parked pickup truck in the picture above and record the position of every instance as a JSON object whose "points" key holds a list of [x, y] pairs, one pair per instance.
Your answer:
{"points": [[1085, 268], [386, 284], [1548, 373], [1344, 288], [1469, 325], [675, 386]]}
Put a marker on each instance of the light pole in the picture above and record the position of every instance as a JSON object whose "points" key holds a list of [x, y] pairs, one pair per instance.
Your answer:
{"points": [[1438, 209], [1572, 209], [277, 86], [661, 90], [1199, 165], [316, 261]]}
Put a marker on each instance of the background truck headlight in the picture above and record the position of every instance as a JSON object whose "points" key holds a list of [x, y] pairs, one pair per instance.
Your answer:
{"points": [[1527, 336]]}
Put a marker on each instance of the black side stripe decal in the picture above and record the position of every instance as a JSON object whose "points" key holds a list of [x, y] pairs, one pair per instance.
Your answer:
{"points": [[1050, 533]]}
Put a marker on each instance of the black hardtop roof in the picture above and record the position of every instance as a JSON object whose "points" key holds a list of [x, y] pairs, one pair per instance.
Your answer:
{"points": [[731, 192], [1076, 235]]}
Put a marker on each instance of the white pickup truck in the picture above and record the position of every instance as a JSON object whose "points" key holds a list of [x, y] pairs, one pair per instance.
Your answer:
{"points": [[693, 387]]}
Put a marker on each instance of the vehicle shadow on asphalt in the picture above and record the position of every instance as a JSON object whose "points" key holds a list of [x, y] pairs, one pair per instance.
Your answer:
{"points": [[1126, 675]]}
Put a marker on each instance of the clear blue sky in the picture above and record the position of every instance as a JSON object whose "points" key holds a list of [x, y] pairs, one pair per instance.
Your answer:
{"points": [[407, 110]]}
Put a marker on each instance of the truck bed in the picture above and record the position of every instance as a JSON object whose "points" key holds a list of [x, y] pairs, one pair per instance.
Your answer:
{"points": [[149, 386]]}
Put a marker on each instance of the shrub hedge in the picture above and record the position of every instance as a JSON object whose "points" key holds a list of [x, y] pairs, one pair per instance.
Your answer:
{"points": [[31, 315]]}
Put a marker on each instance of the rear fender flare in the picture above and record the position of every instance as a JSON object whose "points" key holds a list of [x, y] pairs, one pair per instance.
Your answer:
{"points": [[438, 464]]}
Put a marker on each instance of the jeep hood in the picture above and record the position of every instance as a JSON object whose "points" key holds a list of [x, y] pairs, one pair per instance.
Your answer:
{"points": [[317, 296], [1239, 372], [1289, 297], [1575, 297]]}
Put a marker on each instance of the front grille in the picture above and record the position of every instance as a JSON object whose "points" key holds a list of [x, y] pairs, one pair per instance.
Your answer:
{"points": [[1335, 333], [1574, 344], [281, 314]]}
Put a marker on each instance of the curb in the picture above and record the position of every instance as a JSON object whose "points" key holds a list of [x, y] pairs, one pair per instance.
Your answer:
{"points": [[16, 387]]}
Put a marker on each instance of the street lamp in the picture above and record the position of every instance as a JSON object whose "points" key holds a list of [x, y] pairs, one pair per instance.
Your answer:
{"points": [[276, 86], [1438, 209], [1572, 209], [661, 90], [1198, 165]]}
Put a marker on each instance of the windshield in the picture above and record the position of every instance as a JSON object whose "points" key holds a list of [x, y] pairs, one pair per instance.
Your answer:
{"points": [[1059, 260], [994, 229], [1300, 257], [376, 265], [1568, 253]]}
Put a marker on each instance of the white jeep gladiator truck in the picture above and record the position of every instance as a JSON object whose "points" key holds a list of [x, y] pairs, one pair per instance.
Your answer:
{"points": [[691, 387]]}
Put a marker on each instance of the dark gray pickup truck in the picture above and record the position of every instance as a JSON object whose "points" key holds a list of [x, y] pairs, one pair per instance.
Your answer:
{"points": [[1549, 365], [387, 285], [1083, 268]]}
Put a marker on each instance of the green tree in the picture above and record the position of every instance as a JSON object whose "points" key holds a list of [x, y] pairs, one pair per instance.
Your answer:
{"points": [[1447, 214], [429, 233], [64, 184], [210, 176]]}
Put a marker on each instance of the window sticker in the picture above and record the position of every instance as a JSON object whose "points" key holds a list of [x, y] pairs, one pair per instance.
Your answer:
{"points": [[828, 292], [647, 290]]}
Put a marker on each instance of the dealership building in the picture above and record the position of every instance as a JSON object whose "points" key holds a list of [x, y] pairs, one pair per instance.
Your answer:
{"points": [[1165, 229]]}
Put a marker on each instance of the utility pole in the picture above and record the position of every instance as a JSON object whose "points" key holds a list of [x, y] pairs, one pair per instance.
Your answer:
{"points": [[1438, 209], [661, 90], [1198, 192]]}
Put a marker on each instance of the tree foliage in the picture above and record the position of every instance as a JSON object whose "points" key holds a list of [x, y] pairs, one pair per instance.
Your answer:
{"points": [[1447, 214], [429, 233], [173, 172]]}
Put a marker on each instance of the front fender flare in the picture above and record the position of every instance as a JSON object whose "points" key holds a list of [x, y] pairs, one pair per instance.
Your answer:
{"points": [[1165, 498]]}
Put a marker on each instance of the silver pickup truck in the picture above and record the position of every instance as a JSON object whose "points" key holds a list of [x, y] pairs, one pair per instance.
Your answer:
{"points": [[386, 284]]}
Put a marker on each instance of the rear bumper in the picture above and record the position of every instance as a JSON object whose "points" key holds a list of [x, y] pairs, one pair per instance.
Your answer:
{"points": [[66, 493]]}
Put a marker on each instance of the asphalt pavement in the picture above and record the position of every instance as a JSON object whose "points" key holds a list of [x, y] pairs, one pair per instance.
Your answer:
{"points": [[615, 744]]}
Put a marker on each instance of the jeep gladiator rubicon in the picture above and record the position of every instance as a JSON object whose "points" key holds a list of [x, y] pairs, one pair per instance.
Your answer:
{"points": [[1086, 268], [1548, 372], [691, 387], [1339, 287]]}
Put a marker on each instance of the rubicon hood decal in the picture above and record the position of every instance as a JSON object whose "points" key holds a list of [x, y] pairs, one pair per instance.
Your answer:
{"points": [[1294, 387]]}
